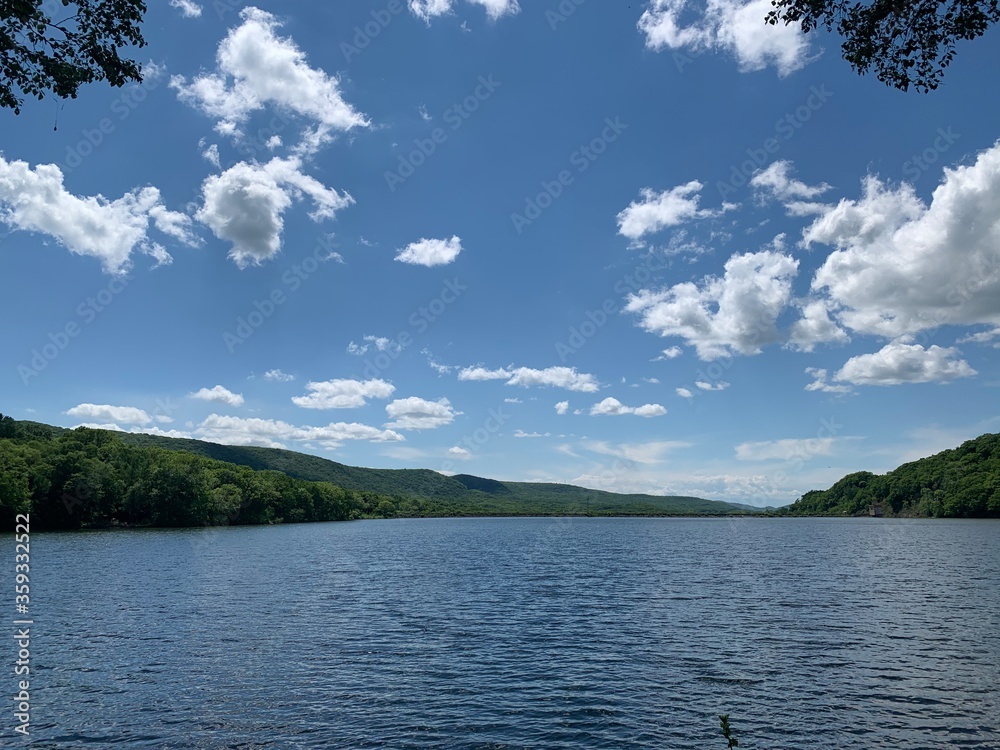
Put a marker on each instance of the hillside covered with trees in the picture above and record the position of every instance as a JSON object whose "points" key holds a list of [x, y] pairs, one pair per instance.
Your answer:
{"points": [[87, 478], [963, 482]]}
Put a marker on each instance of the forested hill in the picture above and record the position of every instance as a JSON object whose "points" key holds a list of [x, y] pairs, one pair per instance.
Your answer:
{"points": [[85, 478], [963, 482]]}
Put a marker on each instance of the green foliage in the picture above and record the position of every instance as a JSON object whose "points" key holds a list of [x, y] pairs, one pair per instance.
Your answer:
{"points": [[727, 732], [70, 479], [960, 483], [58, 45], [907, 42], [90, 478]]}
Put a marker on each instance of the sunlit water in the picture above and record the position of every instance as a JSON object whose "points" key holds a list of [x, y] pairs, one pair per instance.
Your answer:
{"points": [[519, 633]]}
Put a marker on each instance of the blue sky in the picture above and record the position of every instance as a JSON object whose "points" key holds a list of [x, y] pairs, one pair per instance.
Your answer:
{"points": [[655, 248]]}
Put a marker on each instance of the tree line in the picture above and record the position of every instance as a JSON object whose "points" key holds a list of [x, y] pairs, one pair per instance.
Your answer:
{"points": [[87, 478]]}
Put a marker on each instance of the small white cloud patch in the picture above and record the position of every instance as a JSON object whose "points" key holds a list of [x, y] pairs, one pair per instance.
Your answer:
{"points": [[425, 252]]}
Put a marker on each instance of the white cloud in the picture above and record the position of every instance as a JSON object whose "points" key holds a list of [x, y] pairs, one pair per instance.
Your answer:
{"points": [[669, 353], [820, 383], [733, 26], [900, 362], [785, 450], [901, 266], [219, 395], [420, 414], [187, 8], [656, 211], [643, 453], [458, 451], [523, 434], [558, 377], [425, 252], [108, 413], [342, 393], [613, 407], [718, 386], [815, 327], [562, 407], [427, 9], [684, 393], [512, 401], [736, 312], [278, 376], [255, 67], [776, 182], [210, 153], [35, 200], [482, 373], [137, 430], [274, 434], [244, 205]]}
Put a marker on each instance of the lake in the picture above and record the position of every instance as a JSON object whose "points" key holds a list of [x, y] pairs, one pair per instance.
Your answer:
{"points": [[519, 633]]}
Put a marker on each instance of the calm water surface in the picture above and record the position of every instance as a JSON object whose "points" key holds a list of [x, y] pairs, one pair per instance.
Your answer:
{"points": [[519, 633]]}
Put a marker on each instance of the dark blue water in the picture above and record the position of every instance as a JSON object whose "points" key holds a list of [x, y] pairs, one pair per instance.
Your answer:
{"points": [[519, 633]]}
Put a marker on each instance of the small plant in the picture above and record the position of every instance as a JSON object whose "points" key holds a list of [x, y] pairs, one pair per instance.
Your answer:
{"points": [[727, 732]]}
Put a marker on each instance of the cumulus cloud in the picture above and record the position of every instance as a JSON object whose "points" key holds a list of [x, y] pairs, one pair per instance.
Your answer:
{"points": [[558, 377], [108, 413], [734, 313], [244, 205], [278, 376], [900, 266], [523, 434], [657, 211], [720, 385], [458, 451], [671, 352], [256, 67], [613, 407], [776, 182], [820, 383], [35, 200], [219, 395], [785, 450], [562, 407], [815, 327], [684, 393], [428, 9], [342, 393], [275, 434], [733, 26], [900, 362], [425, 252], [187, 8], [420, 414]]}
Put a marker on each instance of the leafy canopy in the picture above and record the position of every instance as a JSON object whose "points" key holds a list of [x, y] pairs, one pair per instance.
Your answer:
{"points": [[58, 45], [907, 42]]}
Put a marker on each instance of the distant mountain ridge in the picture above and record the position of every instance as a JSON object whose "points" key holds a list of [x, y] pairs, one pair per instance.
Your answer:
{"points": [[405, 492], [491, 496]]}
